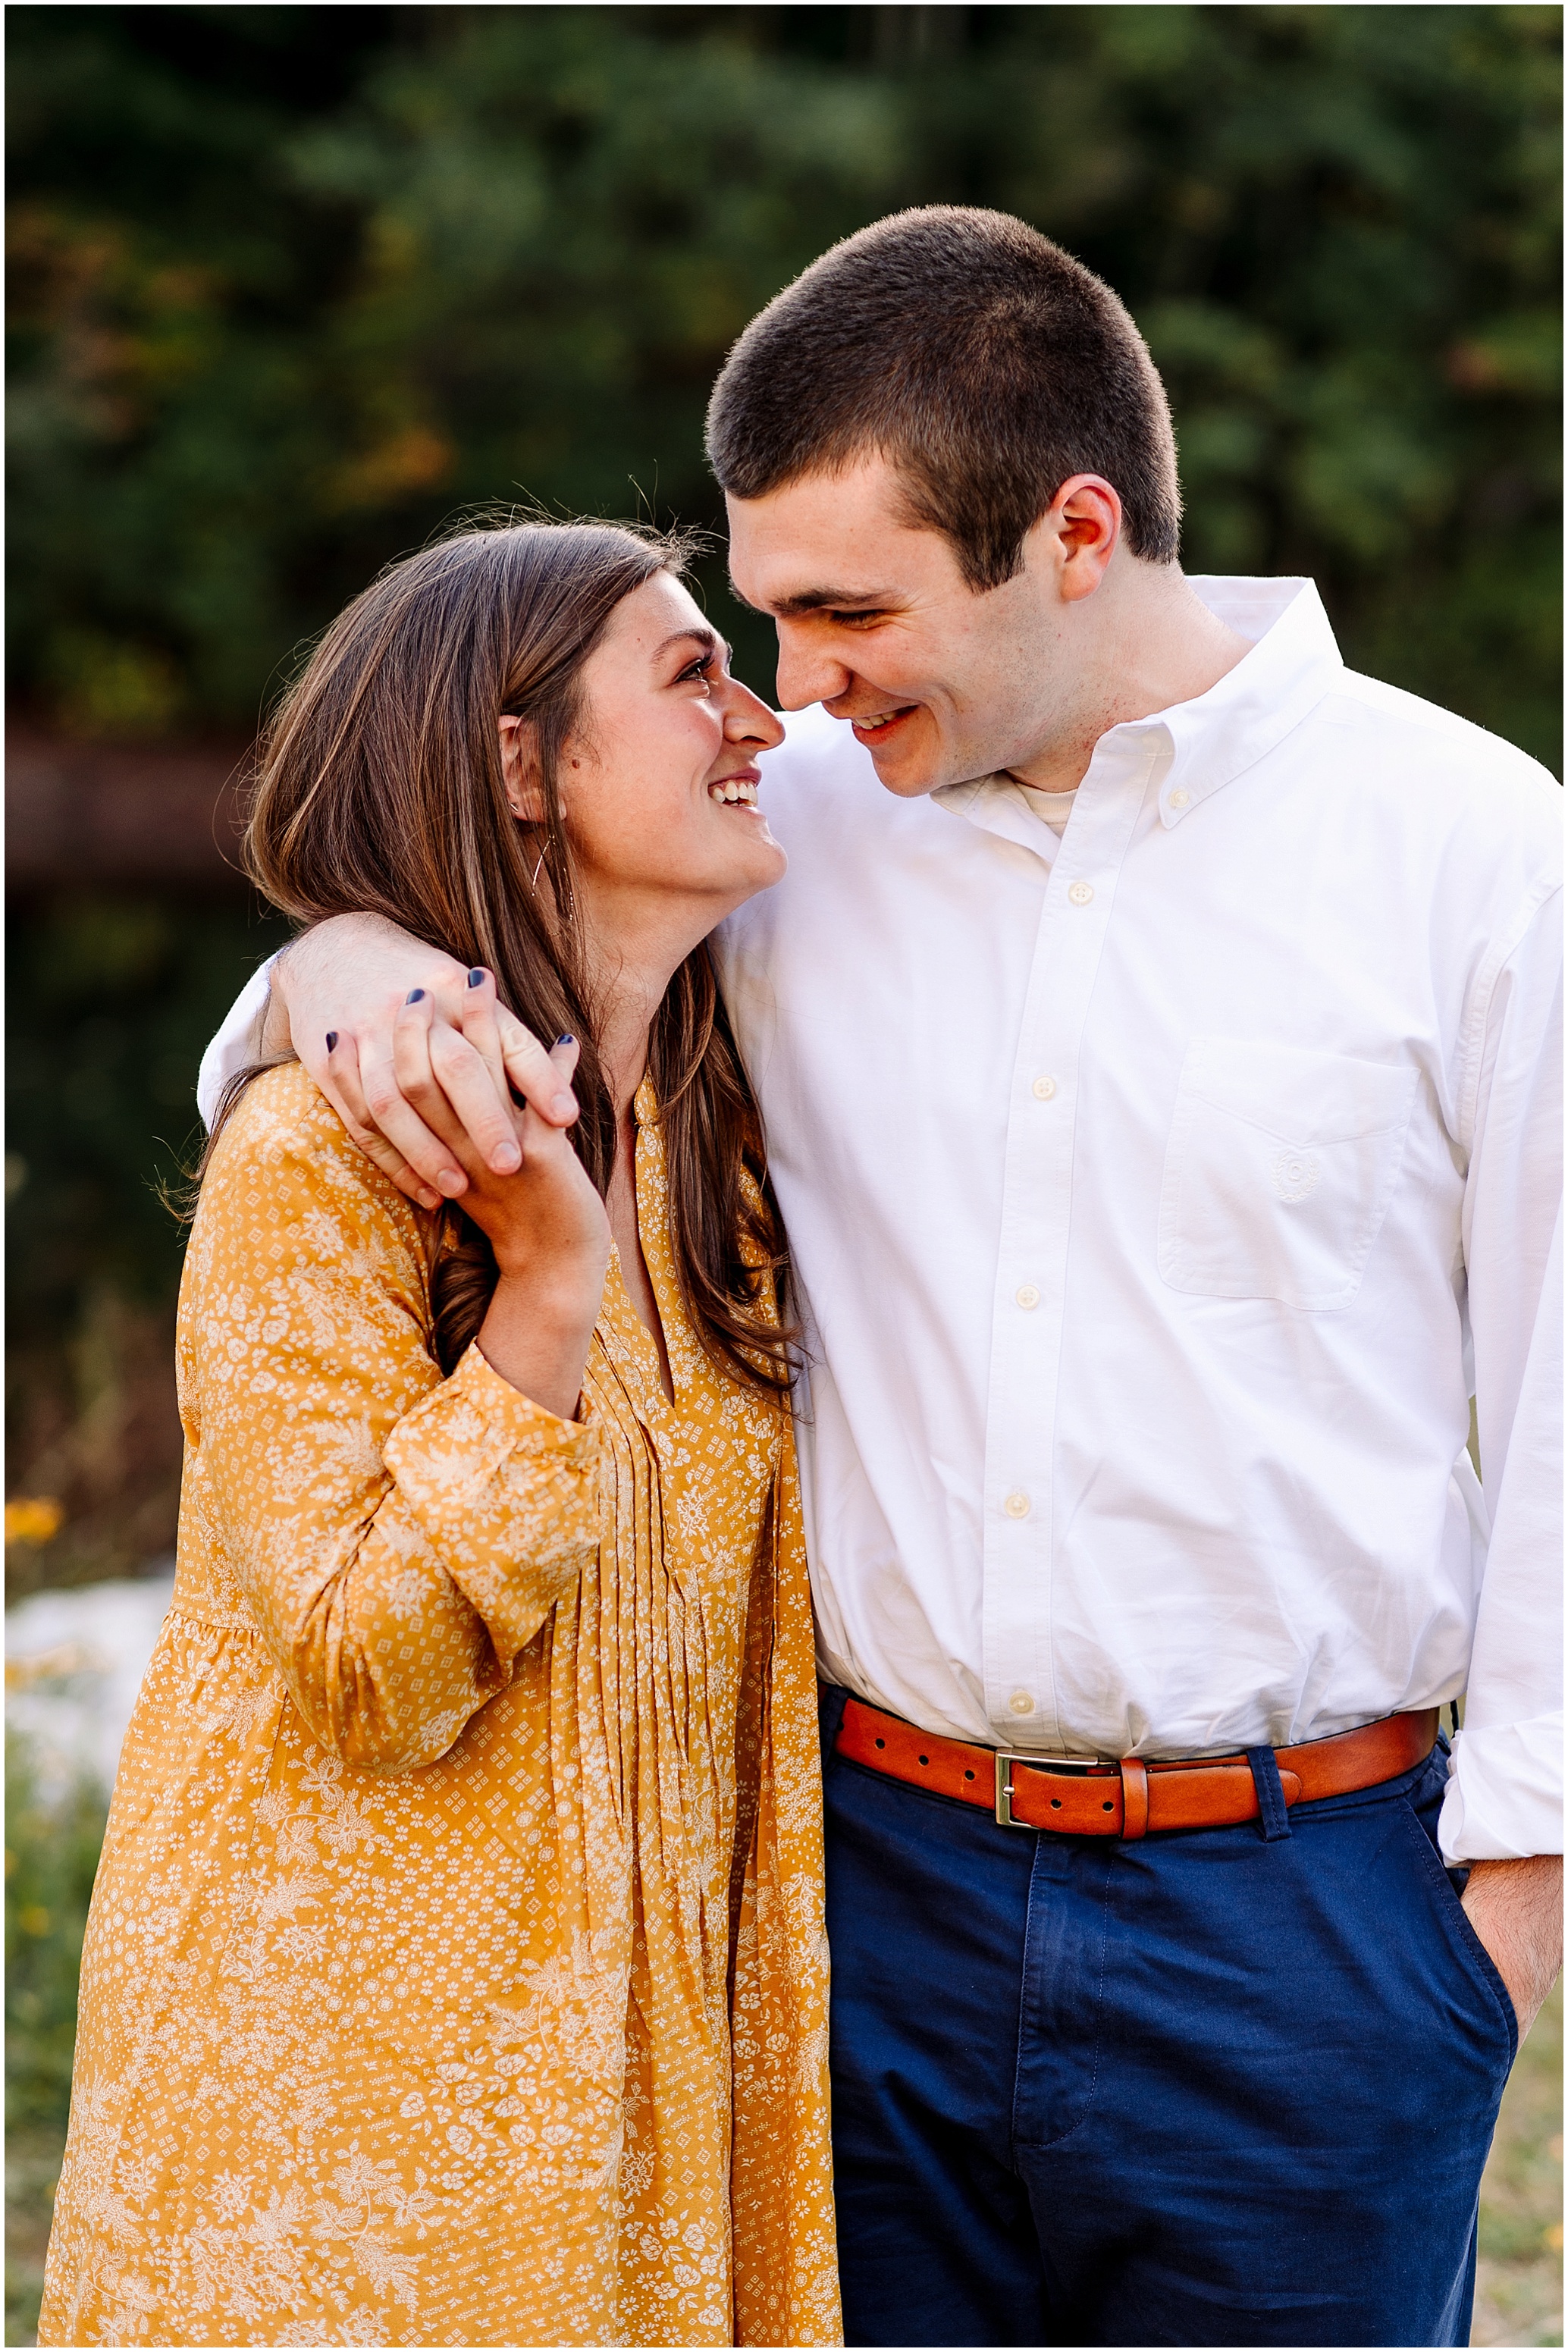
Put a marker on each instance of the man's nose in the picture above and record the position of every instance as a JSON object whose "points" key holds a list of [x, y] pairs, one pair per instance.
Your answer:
{"points": [[809, 672], [748, 720]]}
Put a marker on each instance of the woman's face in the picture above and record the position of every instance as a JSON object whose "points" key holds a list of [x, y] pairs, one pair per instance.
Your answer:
{"points": [[658, 786]]}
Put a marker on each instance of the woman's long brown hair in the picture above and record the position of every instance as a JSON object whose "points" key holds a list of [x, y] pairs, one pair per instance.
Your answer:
{"points": [[379, 790]]}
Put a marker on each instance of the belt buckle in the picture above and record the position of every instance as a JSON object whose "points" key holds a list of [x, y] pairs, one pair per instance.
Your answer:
{"points": [[1007, 1757]]}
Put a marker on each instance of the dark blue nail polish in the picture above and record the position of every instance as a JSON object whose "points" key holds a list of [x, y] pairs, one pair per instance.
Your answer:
{"points": [[331, 1041], [476, 978], [415, 996], [565, 1038]]}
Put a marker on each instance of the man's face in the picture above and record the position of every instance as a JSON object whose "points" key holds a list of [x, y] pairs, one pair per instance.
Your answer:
{"points": [[877, 621]]}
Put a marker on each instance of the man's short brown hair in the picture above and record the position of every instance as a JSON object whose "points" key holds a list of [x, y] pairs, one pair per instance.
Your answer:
{"points": [[984, 361]]}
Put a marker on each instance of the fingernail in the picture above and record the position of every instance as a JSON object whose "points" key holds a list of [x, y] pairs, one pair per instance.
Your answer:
{"points": [[506, 1160], [476, 977], [428, 1200], [565, 1038], [331, 1041], [563, 1105], [415, 996], [451, 1184]]}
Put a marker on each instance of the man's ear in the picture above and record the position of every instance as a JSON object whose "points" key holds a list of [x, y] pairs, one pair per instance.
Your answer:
{"points": [[520, 770], [1082, 529]]}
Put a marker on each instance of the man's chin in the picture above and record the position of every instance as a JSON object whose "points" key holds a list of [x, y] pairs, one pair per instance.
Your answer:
{"points": [[906, 768], [911, 770]]}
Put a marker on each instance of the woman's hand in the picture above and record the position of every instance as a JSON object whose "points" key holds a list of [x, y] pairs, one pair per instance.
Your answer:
{"points": [[336, 992], [544, 1220]]}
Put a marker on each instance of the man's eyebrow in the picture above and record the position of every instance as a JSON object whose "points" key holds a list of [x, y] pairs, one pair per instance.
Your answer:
{"points": [[816, 600], [708, 638]]}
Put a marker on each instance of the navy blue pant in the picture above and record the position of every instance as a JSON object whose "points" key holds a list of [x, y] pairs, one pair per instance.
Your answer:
{"points": [[1221, 2086]]}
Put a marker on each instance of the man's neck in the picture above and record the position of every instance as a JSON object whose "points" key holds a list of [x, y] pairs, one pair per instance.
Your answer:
{"points": [[1151, 644]]}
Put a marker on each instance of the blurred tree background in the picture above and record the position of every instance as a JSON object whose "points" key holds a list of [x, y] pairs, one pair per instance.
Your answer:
{"points": [[292, 285]]}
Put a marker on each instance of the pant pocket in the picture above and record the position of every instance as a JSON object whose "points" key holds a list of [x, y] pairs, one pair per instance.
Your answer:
{"points": [[1452, 1926]]}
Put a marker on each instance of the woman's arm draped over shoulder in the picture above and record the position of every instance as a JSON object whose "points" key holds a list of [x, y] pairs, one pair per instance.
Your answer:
{"points": [[399, 1536]]}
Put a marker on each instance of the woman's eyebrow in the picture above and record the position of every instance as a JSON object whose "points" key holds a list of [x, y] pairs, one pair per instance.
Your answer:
{"points": [[708, 638]]}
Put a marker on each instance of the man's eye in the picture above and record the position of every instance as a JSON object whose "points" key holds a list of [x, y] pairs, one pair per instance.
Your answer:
{"points": [[860, 618]]}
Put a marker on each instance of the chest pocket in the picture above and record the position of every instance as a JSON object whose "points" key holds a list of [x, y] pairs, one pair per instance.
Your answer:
{"points": [[1279, 1172]]}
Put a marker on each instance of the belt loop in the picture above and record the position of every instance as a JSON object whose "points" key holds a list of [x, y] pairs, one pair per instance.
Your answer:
{"points": [[1134, 1797], [1270, 1793]]}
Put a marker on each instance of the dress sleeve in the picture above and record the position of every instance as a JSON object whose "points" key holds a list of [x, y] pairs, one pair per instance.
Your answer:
{"points": [[398, 1536], [1505, 1796]]}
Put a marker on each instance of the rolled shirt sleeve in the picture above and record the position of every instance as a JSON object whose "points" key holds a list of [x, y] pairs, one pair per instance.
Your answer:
{"points": [[236, 1043], [1505, 1794]]}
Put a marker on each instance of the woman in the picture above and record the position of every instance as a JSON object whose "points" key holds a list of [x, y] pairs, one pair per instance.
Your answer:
{"points": [[456, 1972]]}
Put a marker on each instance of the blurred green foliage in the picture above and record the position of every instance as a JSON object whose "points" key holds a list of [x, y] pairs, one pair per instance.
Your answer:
{"points": [[51, 1856], [112, 999], [290, 284]]}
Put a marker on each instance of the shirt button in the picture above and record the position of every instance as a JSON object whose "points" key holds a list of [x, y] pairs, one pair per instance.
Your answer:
{"points": [[1016, 1506], [1021, 1702], [1080, 893], [1178, 798], [1043, 1089], [1027, 1296]]}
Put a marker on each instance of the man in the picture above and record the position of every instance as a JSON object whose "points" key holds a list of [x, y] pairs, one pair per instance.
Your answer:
{"points": [[1162, 1092]]}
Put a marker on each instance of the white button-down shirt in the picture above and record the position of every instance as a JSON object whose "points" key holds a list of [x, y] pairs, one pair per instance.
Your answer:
{"points": [[1159, 1196]]}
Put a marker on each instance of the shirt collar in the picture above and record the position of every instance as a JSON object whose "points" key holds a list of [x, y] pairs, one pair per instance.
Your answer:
{"points": [[1210, 740]]}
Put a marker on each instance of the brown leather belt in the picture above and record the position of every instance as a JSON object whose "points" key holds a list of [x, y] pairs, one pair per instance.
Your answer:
{"points": [[1090, 1797]]}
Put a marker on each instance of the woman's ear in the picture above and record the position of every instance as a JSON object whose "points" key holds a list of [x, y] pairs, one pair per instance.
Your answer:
{"points": [[520, 771]]}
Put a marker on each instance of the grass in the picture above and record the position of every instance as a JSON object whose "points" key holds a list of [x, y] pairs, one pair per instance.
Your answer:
{"points": [[50, 1857], [1519, 2282]]}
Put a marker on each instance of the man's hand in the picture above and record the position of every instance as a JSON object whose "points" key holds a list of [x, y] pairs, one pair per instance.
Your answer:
{"points": [[1516, 1909], [341, 987]]}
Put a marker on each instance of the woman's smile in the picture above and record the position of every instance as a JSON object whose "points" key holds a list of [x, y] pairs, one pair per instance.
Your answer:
{"points": [[736, 790]]}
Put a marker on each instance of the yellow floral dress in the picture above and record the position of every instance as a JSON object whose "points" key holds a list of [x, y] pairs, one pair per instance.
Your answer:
{"points": [[455, 1971]]}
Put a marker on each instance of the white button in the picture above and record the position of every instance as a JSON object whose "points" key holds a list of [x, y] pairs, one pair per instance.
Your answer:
{"points": [[1016, 1506], [1080, 893], [1178, 798], [1027, 1295], [1021, 1702], [1043, 1089]]}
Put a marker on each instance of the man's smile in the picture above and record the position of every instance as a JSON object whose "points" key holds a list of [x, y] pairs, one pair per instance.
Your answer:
{"points": [[874, 727]]}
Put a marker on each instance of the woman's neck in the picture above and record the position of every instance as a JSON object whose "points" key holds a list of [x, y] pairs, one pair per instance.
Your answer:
{"points": [[630, 967], [624, 1021], [626, 1011]]}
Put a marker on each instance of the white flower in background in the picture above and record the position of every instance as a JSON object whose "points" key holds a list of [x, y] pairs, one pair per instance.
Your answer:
{"points": [[74, 1664]]}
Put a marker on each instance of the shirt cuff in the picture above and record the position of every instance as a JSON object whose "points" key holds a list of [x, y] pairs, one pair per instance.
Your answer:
{"points": [[236, 1043], [1504, 1799]]}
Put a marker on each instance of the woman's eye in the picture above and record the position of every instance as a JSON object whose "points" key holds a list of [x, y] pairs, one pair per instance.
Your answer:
{"points": [[702, 667]]}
